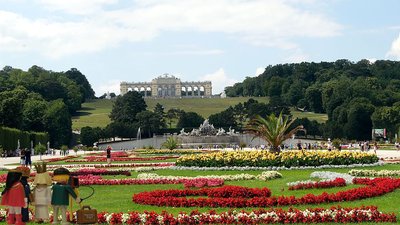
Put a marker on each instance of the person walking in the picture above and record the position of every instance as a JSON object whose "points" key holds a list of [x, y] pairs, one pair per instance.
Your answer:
{"points": [[22, 157], [28, 158], [109, 155]]}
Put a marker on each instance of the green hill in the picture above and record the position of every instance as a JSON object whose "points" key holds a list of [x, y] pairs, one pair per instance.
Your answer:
{"points": [[95, 113]]}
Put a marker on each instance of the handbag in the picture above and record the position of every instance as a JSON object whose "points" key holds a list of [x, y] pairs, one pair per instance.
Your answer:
{"points": [[86, 215]]}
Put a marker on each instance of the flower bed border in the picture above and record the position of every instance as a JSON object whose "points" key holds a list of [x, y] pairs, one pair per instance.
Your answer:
{"points": [[375, 187]]}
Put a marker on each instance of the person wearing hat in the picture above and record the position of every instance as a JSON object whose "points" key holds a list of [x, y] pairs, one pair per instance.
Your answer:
{"points": [[13, 196], [26, 172], [60, 195], [42, 193]]}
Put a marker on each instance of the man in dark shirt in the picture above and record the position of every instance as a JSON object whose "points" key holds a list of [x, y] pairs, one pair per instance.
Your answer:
{"points": [[28, 158]]}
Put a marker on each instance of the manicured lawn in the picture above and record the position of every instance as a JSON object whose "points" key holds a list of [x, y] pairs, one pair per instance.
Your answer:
{"points": [[119, 198], [95, 113]]}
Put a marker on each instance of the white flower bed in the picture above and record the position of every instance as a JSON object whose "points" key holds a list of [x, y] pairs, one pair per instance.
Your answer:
{"points": [[375, 173], [269, 175], [327, 175], [324, 176], [243, 168], [266, 175]]}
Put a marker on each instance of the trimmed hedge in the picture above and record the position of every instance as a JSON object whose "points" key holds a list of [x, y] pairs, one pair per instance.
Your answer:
{"points": [[9, 138]]}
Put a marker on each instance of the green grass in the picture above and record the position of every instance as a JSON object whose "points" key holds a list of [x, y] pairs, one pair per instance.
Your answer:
{"points": [[319, 117], [95, 113], [119, 198]]}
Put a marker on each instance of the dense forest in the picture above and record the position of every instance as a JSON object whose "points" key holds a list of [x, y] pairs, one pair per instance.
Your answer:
{"points": [[356, 96], [41, 100]]}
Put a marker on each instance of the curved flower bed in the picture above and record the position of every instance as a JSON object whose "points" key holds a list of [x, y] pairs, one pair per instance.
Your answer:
{"points": [[227, 196], [91, 180], [338, 182], [261, 216], [266, 175], [174, 198], [87, 171], [121, 159], [243, 168], [285, 159], [375, 173], [175, 151]]}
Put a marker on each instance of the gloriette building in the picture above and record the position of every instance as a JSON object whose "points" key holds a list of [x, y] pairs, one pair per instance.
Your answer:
{"points": [[168, 86]]}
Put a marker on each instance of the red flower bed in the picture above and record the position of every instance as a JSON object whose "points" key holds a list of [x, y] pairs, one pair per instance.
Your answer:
{"points": [[136, 165], [123, 159], [203, 182], [176, 198], [261, 216], [338, 182], [97, 180], [100, 172], [61, 159], [228, 196]]}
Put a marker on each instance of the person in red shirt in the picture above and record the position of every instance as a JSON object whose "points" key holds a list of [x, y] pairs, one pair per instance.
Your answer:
{"points": [[109, 155], [13, 196]]}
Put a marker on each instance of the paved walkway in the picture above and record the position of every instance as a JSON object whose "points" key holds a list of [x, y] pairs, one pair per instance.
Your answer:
{"points": [[4, 162]]}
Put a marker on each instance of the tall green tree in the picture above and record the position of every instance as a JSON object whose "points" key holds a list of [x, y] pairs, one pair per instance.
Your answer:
{"points": [[149, 122], [84, 85], [189, 119], [127, 106], [58, 123]]}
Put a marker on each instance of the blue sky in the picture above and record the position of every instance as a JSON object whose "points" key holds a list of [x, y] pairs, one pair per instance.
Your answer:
{"points": [[219, 40]]}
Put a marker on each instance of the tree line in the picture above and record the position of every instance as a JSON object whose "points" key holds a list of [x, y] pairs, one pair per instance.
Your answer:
{"points": [[42, 100], [357, 96]]}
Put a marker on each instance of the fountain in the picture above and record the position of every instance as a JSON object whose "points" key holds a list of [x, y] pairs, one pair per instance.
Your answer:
{"points": [[208, 135]]}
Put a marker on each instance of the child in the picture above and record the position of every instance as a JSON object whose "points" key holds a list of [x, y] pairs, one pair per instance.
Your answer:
{"points": [[42, 193], [60, 195], [13, 196]]}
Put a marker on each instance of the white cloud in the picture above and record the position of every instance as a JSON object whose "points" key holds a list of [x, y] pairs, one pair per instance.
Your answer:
{"points": [[297, 56], [394, 51], [78, 7], [259, 71], [219, 80], [75, 26], [109, 86]]}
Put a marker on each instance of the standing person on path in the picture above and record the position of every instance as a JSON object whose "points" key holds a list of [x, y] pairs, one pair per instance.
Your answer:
{"points": [[28, 158], [22, 155], [109, 155]]}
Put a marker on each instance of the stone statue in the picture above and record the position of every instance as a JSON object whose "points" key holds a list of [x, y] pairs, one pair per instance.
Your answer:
{"points": [[183, 133], [220, 132]]}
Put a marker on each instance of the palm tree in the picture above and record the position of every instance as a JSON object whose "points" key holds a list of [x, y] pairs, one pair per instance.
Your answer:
{"points": [[272, 129]]}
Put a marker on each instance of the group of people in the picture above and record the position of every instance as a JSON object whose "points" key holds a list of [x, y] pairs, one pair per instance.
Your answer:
{"points": [[17, 195]]}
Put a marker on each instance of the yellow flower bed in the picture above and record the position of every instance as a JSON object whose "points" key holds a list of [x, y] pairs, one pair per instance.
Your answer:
{"points": [[286, 158]]}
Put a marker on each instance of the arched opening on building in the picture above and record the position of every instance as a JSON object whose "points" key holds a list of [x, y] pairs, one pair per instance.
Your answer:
{"points": [[159, 92], [189, 91], [142, 91], [195, 91], [202, 91], [136, 89], [183, 91], [129, 89], [148, 91]]}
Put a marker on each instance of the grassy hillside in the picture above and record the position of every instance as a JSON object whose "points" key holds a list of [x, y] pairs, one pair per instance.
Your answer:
{"points": [[95, 113]]}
